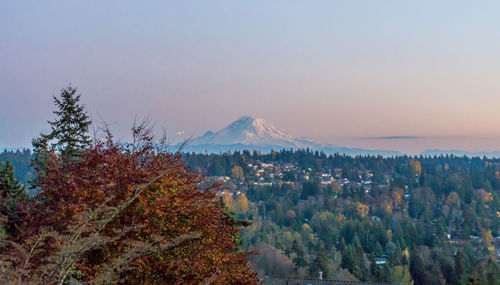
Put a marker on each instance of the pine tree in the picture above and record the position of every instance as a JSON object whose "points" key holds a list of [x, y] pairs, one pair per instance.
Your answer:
{"points": [[373, 264], [417, 270], [299, 260], [11, 190], [320, 264], [68, 136], [460, 267], [69, 131]]}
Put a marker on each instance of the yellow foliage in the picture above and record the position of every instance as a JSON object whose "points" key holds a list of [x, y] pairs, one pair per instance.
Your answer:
{"points": [[237, 172], [487, 237], [406, 253], [388, 208], [416, 167], [340, 218], [362, 209], [453, 198], [242, 203], [306, 228], [290, 215], [336, 187], [389, 234], [397, 195], [227, 198]]}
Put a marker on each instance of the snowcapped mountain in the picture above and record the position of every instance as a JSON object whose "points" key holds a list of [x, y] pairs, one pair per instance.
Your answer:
{"points": [[249, 133]]}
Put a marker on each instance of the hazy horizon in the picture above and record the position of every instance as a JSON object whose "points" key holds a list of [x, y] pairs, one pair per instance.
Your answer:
{"points": [[412, 145], [336, 72]]}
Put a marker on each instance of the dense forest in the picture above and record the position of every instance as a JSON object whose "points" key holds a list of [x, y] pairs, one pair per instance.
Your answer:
{"points": [[427, 220]]}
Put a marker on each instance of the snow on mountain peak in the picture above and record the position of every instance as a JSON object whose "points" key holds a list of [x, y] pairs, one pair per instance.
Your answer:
{"points": [[249, 130], [250, 133]]}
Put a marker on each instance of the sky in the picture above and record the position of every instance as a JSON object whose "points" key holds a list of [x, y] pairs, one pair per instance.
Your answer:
{"points": [[333, 71]]}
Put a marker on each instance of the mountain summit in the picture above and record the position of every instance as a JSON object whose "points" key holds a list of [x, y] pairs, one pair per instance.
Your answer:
{"points": [[250, 133]]}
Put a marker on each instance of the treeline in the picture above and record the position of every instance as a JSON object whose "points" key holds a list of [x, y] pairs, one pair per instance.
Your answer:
{"points": [[20, 160], [427, 220]]}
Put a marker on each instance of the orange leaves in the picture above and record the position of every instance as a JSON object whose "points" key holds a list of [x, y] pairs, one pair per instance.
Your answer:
{"points": [[388, 207], [227, 198], [237, 172], [144, 207], [242, 203], [453, 199], [487, 237], [485, 196], [397, 196], [416, 167], [362, 209]]}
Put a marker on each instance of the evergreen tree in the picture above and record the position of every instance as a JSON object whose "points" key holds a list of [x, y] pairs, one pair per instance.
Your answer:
{"points": [[69, 131], [373, 264], [299, 260], [417, 270], [460, 267], [11, 193], [320, 264], [490, 272], [473, 279], [11, 190], [68, 136], [348, 258]]}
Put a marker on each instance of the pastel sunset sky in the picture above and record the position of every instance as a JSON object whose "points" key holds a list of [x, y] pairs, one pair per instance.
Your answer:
{"points": [[333, 71]]}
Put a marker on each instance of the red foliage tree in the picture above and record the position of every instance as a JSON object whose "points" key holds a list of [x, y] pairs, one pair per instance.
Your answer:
{"points": [[125, 214]]}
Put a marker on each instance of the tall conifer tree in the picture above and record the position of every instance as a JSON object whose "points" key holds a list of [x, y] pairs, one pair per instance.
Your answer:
{"points": [[69, 134]]}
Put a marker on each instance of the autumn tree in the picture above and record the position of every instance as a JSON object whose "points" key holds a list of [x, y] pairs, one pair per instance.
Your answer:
{"points": [[290, 216], [124, 214], [397, 196], [416, 167], [242, 203], [362, 209], [486, 237], [227, 198], [237, 172]]}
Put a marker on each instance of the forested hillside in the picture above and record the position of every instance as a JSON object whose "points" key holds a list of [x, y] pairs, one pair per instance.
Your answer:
{"points": [[433, 220], [426, 219]]}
